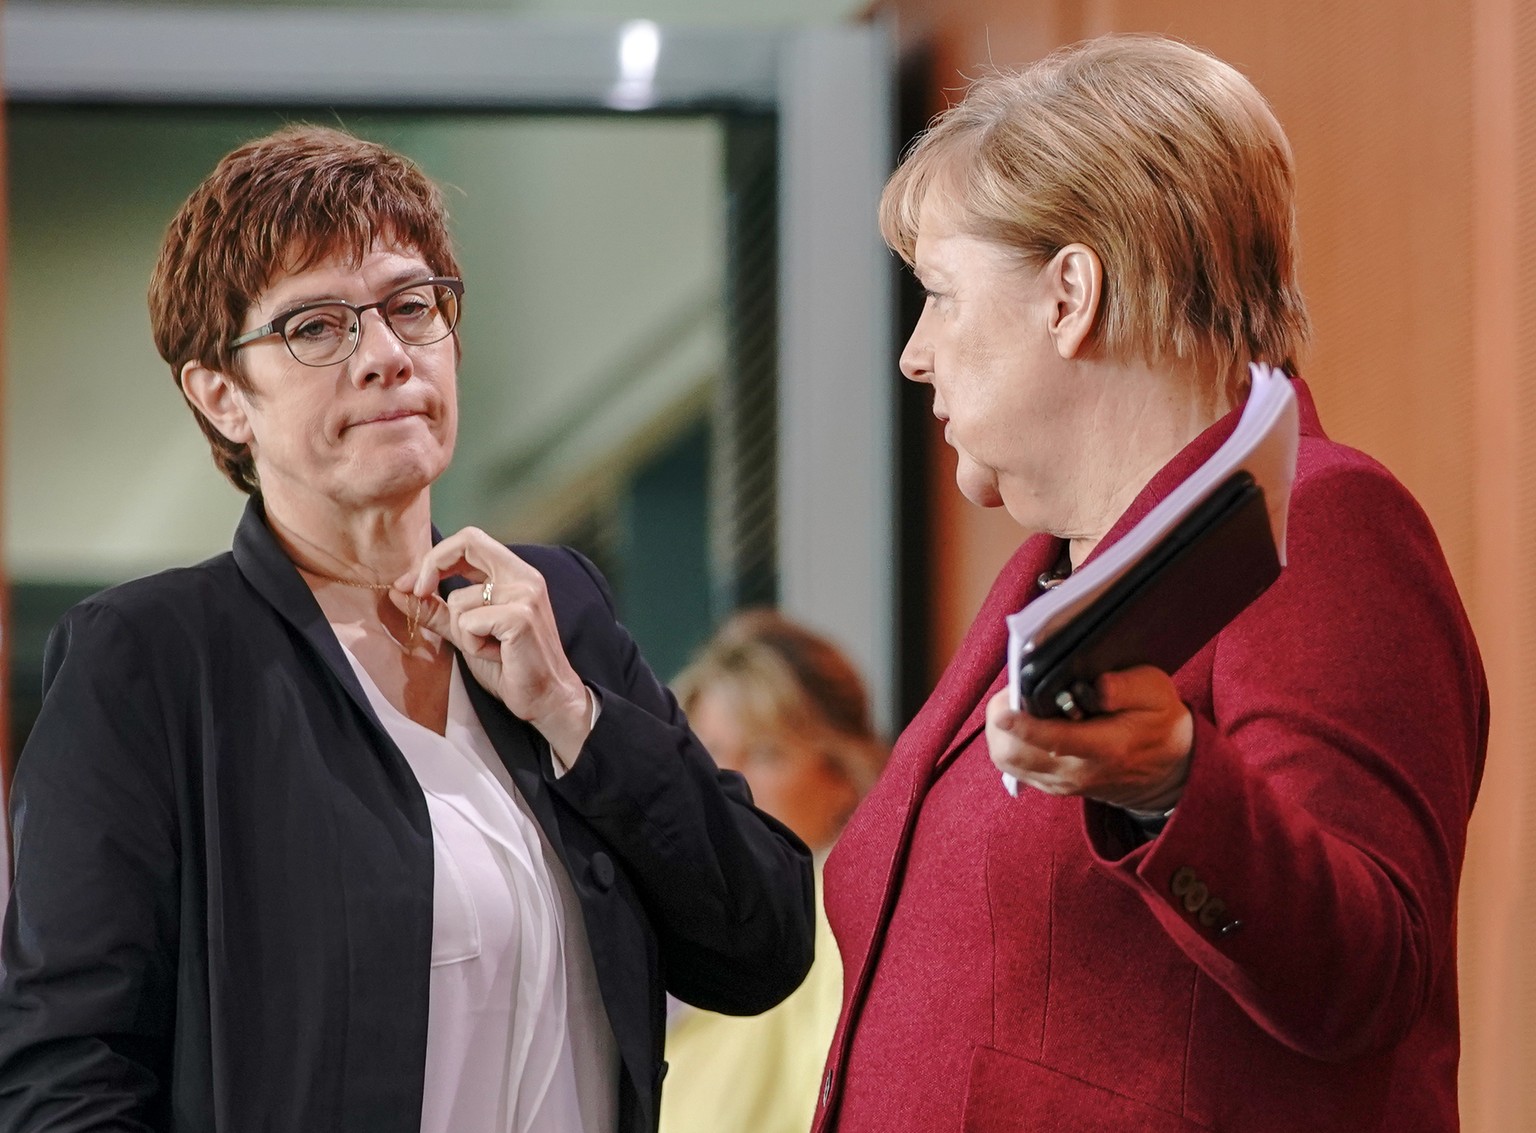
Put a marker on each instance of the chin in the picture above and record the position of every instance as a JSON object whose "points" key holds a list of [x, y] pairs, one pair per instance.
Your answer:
{"points": [[399, 478], [977, 484]]}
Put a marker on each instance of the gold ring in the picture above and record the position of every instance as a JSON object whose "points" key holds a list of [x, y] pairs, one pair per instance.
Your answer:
{"points": [[485, 594]]}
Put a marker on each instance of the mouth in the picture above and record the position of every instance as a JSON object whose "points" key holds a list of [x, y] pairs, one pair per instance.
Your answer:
{"points": [[385, 418]]}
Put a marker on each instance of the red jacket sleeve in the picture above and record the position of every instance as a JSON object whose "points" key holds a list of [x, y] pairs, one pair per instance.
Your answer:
{"points": [[1325, 816]]}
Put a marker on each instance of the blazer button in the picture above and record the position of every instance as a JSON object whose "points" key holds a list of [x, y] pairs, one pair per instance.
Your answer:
{"points": [[601, 867], [1183, 878], [826, 1087], [1212, 913], [1195, 896]]}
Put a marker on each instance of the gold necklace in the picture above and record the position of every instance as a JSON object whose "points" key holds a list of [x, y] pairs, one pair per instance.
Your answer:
{"points": [[412, 620]]}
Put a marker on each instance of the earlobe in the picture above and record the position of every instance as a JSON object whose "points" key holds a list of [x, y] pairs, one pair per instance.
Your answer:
{"points": [[1076, 278], [216, 397]]}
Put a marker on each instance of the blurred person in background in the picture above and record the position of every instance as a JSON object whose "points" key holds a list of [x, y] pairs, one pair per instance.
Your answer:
{"points": [[785, 708], [1228, 902], [356, 828]]}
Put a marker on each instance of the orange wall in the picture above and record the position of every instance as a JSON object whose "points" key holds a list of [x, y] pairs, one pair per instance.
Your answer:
{"points": [[1414, 127]]}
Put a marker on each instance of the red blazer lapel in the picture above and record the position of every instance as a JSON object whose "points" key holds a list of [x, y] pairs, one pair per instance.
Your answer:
{"points": [[957, 709], [873, 847]]}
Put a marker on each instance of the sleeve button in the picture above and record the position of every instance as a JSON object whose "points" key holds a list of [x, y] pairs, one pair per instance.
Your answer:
{"points": [[1196, 896]]}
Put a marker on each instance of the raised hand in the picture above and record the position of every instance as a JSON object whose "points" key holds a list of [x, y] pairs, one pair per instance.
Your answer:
{"points": [[505, 628]]}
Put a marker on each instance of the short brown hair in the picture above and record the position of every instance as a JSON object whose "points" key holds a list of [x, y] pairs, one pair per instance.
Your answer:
{"points": [[782, 675], [1161, 158], [280, 204]]}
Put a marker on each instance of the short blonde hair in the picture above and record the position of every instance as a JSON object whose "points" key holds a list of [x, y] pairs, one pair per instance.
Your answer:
{"points": [[1161, 158], [780, 675]]}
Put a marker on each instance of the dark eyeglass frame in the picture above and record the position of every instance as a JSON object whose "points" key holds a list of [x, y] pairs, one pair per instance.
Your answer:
{"points": [[279, 325]]}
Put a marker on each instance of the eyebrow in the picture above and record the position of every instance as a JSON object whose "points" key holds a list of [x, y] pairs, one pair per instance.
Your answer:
{"points": [[398, 279]]}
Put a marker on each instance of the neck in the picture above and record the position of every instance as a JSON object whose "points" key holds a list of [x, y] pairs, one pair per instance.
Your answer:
{"points": [[374, 543], [1144, 419]]}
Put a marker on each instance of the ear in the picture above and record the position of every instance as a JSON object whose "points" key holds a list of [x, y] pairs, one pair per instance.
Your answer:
{"points": [[1075, 282], [219, 399]]}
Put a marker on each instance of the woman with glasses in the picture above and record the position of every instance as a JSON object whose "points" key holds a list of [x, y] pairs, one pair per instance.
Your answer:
{"points": [[355, 828]]}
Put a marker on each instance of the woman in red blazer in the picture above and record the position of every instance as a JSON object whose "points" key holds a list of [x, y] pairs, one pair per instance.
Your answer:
{"points": [[1229, 902]]}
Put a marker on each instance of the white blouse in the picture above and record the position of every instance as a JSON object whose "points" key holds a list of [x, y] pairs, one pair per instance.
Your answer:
{"points": [[518, 1040]]}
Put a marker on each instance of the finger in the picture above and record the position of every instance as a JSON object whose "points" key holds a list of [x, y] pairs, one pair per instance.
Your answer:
{"points": [[1000, 713], [430, 613], [1046, 733], [504, 623], [1010, 751], [468, 553], [435, 615], [469, 597], [443, 562], [1093, 740]]}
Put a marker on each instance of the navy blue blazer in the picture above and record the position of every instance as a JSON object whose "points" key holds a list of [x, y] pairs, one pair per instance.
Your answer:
{"points": [[222, 912]]}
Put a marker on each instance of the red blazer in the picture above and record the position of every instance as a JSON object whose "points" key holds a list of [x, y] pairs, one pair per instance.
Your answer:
{"points": [[1281, 957]]}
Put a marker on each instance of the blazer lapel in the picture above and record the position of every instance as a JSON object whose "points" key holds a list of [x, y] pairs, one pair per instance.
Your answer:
{"points": [[270, 571], [978, 669], [881, 827]]}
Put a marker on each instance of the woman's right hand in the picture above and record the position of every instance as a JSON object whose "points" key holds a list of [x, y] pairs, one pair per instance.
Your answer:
{"points": [[504, 626], [1135, 755]]}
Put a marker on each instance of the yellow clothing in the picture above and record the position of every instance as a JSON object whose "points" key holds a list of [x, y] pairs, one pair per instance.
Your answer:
{"points": [[758, 1074]]}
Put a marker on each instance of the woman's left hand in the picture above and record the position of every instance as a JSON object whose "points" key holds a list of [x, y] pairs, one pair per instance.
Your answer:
{"points": [[1135, 755], [504, 626]]}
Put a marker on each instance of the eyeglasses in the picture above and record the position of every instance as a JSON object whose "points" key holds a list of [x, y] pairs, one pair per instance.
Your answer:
{"points": [[322, 334]]}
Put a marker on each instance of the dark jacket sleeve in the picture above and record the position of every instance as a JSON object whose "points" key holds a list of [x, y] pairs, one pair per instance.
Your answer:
{"points": [[87, 988], [729, 889]]}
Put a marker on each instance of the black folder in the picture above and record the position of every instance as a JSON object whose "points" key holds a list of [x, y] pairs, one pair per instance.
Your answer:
{"points": [[1178, 595]]}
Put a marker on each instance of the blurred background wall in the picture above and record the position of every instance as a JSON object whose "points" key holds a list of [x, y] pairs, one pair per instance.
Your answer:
{"points": [[1415, 135]]}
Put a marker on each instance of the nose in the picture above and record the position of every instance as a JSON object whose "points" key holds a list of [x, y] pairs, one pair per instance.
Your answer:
{"points": [[916, 361], [380, 357]]}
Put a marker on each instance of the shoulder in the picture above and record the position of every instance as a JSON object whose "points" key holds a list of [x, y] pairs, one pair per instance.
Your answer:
{"points": [[155, 615], [1351, 503], [209, 583], [1364, 572]]}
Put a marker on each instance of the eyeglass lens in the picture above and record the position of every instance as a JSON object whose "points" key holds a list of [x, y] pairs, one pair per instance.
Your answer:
{"points": [[418, 315]]}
